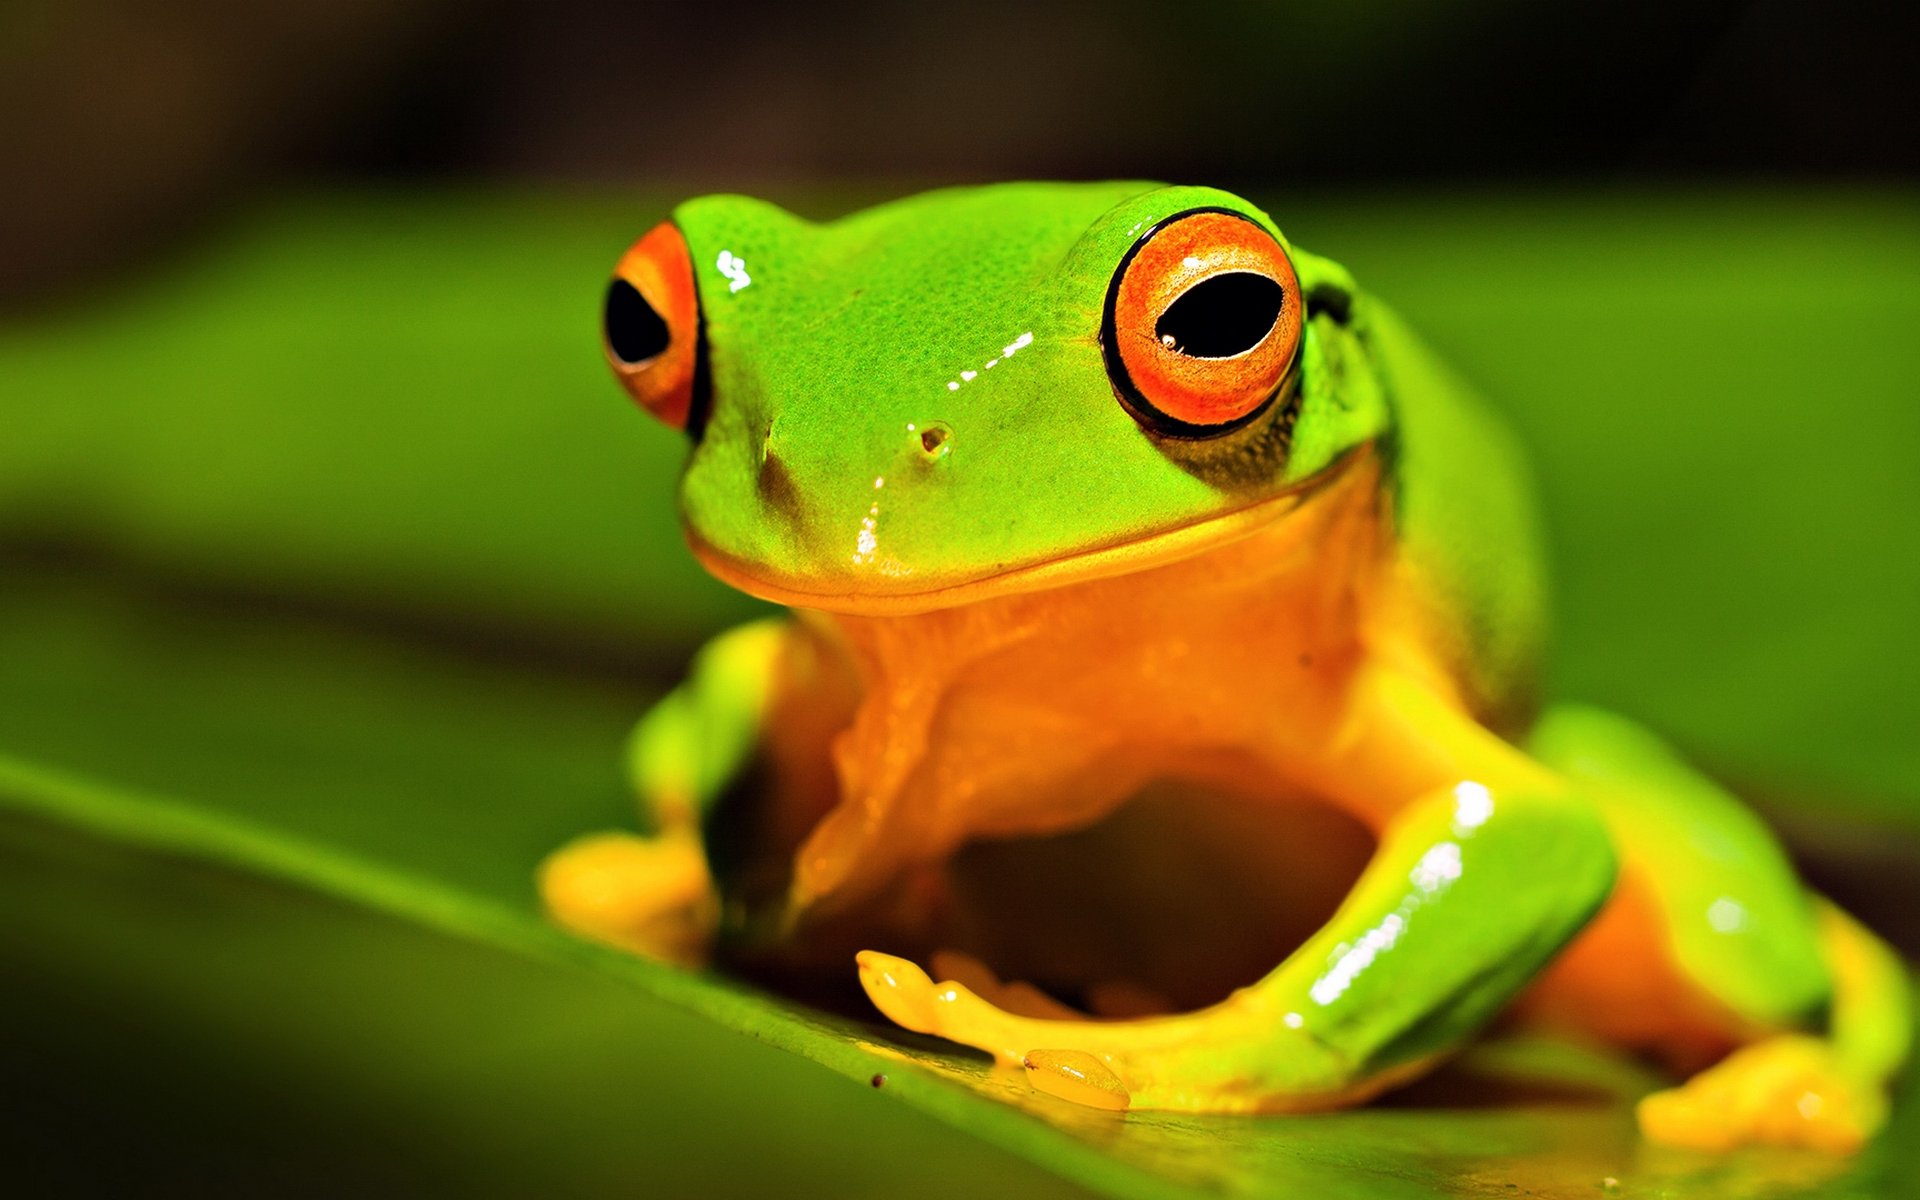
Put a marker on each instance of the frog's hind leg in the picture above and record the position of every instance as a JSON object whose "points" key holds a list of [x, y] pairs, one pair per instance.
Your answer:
{"points": [[1712, 943], [1798, 1089]]}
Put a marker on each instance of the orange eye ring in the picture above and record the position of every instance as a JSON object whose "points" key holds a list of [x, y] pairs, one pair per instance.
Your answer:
{"points": [[650, 327], [1202, 323]]}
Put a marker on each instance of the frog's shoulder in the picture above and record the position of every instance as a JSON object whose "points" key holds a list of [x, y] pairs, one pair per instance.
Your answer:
{"points": [[1465, 517]]}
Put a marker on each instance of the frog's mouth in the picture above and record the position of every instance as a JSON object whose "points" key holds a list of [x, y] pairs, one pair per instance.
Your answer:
{"points": [[1103, 562]]}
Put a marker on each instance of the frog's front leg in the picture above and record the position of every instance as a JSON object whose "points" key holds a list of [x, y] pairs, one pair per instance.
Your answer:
{"points": [[1472, 889], [655, 894]]}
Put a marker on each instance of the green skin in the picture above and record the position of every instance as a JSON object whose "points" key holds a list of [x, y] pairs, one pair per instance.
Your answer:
{"points": [[844, 344]]}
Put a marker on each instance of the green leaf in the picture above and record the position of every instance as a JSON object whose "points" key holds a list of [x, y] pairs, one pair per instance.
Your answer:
{"points": [[334, 571]]}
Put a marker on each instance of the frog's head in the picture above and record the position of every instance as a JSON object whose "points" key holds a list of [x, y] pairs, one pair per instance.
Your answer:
{"points": [[984, 390]]}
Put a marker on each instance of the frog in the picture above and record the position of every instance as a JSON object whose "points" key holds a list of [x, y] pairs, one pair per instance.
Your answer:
{"points": [[1157, 705]]}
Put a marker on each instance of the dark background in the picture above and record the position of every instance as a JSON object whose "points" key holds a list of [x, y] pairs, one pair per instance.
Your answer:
{"points": [[127, 123]]}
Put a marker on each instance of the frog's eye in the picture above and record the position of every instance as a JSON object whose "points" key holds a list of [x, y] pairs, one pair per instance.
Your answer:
{"points": [[652, 325], [1202, 323]]}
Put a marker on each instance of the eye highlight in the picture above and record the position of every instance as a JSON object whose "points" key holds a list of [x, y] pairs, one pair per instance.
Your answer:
{"points": [[1202, 324], [651, 325]]}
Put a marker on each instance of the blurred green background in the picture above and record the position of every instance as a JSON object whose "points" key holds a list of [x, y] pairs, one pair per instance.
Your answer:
{"points": [[333, 567]]}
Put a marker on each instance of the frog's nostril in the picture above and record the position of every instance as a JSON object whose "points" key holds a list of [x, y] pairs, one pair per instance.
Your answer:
{"points": [[936, 438]]}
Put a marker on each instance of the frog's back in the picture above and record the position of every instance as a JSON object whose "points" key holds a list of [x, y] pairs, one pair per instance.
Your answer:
{"points": [[1467, 523]]}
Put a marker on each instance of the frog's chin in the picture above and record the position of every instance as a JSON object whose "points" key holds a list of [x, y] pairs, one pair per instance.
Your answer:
{"points": [[899, 597]]}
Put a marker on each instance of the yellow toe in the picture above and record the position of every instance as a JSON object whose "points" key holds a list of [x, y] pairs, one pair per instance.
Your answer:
{"points": [[1786, 1091], [653, 896]]}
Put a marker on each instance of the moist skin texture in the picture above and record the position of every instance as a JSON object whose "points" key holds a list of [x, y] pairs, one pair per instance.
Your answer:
{"points": [[1194, 772]]}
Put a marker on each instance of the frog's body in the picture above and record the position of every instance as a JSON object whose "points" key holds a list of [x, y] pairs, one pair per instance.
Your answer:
{"points": [[1042, 570]]}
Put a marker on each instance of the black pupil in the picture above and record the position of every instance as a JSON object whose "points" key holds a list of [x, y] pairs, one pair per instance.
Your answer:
{"points": [[634, 331], [1223, 316]]}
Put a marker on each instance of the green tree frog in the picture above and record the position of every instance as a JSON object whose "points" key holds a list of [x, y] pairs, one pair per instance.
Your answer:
{"points": [[1157, 710]]}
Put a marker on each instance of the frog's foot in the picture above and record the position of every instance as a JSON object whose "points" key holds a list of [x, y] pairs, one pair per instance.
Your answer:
{"points": [[1069, 1074], [1786, 1091], [952, 1010], [653, 896], [1237, 1056], [1018, 997]]}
